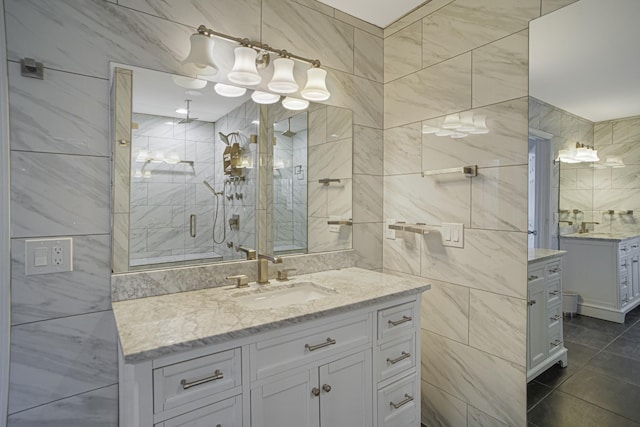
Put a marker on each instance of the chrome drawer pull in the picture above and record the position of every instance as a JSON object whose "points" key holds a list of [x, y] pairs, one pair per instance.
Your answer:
{"points": [[556, 317], [554, 293], [532, 277], [404, 319], [532, 302], [397, 359], [217, 376], [555, 270], [317, 346], [556, 343], [406, 400]]}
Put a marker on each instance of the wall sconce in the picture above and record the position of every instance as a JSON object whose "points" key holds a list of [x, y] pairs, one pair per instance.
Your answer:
{"points": [[249, 57], [586, 153], [459, 125], [264, 97]]}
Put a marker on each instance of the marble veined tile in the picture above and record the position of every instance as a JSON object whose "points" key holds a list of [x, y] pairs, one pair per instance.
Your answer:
{"points": [[431, 199], [602, 134], [322, 240], [64, 113], [402, 149], [59, 358], [578, 199], [477, 418], [498, 325], [363, 96], [55, 194], [445, 311], [330, 160], [98, 407], [81, 36], [85, 289], [317, 127], [368, 150], [294, 27], [494, 261], [403, 52], [501, 70], [627, 130], [340, 199], [489, 383], [368, 55], [506, 143], [440, 409], [240, 18], [603, 178], [367, 198], [447, 84], [619, 200], [358, 23], [464, 25], [626, 177], [424, 10], [402, 254], [339, 123], [584, 178], [367, 243], [499, 198]]}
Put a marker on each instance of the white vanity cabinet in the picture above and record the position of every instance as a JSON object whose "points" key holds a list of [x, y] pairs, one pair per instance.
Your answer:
{"points": [[545, 346], [356, 369], [605, 272]]}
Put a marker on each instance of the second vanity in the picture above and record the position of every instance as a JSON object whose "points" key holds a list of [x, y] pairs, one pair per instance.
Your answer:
{"points": [[604, 269], [349, 355]]}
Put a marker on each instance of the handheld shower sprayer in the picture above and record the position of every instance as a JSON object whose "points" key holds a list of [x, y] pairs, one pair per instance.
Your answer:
{"points": [[215, 193]]}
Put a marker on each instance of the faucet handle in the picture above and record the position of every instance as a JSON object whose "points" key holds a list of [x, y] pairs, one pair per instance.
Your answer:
{"points": [[242, 281], [283, 274]]}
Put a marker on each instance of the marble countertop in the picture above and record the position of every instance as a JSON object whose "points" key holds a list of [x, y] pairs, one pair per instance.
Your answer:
{"points": [[537, 254], [158, 326], [617, 237]]}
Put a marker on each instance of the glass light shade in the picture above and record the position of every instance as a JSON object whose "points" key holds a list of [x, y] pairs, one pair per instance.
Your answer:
{"points": [[452, 121], [584, 154], [200, 59], [444, 132], [594, 156], [567, 156], [283, 80], [294, 103], [457, 135], [614, 162], [479, 125], [466, 122], [229, 91], [316, 87], [264, 97], [189, 82], [244, 70], [426, 129]]}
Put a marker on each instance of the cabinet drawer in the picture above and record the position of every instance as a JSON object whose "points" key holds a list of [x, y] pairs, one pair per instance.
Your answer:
{"points": [[195, 379], [535, 273], [396, 356], [555, 338], [227, 413], [554, 269], [394, 321], [281, 353], [625, 294], [554, 315], [554, 293], [399, 403]]}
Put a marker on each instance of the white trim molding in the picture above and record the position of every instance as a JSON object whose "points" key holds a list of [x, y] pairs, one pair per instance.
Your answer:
{"points": [[5, 240]]}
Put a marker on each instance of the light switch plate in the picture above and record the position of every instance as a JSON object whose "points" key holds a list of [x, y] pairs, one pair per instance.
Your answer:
{"points": [[43, 256], [453, 235]]}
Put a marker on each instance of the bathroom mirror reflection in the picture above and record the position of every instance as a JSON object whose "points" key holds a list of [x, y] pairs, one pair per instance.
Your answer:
{"points": [[186, 168], [584, 88]]}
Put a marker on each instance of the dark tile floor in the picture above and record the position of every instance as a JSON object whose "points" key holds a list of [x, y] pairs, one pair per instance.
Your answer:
{"points": [[600, 387]]}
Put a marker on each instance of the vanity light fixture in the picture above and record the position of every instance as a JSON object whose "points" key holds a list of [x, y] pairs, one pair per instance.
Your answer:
{"points": [[249, 57], [228, 90], [614, 162], [459, 125], [586, 153], [264, 97], [189, 82], [294, 103]]}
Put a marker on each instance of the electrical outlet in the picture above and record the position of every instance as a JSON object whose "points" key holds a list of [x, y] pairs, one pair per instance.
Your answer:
{"points": [[43, 256]]}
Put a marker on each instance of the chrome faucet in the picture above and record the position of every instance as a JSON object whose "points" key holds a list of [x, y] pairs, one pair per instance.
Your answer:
{"points": [[583, 226], [263, 267], [251, 253]]}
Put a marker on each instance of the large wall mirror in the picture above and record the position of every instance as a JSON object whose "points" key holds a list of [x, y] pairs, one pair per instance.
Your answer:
{"points": [[194, 172], [584, 87]]}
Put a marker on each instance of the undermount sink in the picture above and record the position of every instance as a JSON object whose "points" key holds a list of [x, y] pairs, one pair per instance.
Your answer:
{"points": [[282, 296]]}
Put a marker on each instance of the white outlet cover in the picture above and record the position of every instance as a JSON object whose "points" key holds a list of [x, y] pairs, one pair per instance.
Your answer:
{"points": [[41, 258]]}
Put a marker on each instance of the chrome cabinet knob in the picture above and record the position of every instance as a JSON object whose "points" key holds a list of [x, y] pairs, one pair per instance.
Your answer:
{"points": [[315, 391], [326, 388]]}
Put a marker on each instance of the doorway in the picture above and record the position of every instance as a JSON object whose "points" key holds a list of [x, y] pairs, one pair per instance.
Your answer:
{"points": [[540, 224]]}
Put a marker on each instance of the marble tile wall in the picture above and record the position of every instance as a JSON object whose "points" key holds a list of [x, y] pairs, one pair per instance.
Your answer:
{"points": [[61, 163], [451, 57]]}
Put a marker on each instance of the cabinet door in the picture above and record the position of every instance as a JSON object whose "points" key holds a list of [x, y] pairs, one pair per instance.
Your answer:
{"points": [[346, 397], [537, 328], [287, 401]]}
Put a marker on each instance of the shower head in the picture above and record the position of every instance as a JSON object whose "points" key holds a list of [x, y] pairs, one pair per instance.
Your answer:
{"points": [[187, 119], [289, 133], [227, 139]]}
